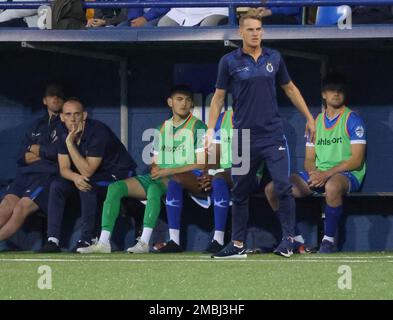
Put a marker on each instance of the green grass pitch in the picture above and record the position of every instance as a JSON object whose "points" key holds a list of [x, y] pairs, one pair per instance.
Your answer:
{"points": [[196, 276]]}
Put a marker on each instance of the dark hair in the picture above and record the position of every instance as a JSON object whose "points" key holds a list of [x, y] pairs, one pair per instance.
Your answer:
{"points": [[334, 81], [181, 88], [54, 90], [250, 14]]}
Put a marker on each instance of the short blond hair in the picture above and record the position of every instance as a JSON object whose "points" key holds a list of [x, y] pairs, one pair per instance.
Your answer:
{"points": [[250, 14]]}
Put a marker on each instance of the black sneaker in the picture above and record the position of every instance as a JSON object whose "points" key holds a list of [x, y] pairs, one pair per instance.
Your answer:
{"points": [[231, 252], [81, 244], [170, 247], [49, 247], [214, 247], [285, 248]]}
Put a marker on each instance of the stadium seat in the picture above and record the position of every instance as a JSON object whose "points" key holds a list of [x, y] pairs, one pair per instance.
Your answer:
{"points": [[327, 16]]}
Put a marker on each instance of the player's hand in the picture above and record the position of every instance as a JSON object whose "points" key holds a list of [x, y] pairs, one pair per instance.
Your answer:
{"points": [[310, 130], [205, 182], [264, 12], [31, 157], [81, 182], [318, 178], [98, 22], [74, 133], [89, 23], [35, 148], [157, 173], [209, 148], [138, 22]]}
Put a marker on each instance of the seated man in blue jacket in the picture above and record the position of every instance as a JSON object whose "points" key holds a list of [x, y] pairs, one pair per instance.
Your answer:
{"points": [[139, 17], [37, 167]]}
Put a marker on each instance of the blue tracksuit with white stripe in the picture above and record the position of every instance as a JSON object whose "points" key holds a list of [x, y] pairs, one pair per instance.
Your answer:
{"points": [[253, 87]]}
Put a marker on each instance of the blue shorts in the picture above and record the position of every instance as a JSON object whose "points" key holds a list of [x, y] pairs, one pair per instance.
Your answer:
{"points": [[34, 186], [354, 184]]}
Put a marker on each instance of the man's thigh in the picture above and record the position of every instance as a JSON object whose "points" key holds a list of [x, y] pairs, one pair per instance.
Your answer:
{"points": [[138, 186], [34, 187], [189, 181], [276, 157]]}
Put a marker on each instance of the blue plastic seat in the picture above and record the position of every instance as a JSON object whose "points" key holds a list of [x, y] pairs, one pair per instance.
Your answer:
{"points": [[327, 16]]}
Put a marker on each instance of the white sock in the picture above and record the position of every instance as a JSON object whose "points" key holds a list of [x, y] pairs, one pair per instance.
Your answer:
{"points": [[299, 238], [331, 239], [146, 235], [219, 236], [104, 236], [174, 234], [238, 246], [55, 240]]}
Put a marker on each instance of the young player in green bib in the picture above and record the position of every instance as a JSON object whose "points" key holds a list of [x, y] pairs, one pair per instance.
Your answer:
{"points": [[217, 181], [335, 164], [175, 149]]}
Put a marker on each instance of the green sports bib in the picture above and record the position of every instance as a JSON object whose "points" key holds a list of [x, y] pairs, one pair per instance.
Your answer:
{"points": [[333, 145], [176, 146]]}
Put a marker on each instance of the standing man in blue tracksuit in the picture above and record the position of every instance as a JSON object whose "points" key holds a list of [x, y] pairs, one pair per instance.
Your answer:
{"points": [[90, 157], [37, 167], [250, 74]]}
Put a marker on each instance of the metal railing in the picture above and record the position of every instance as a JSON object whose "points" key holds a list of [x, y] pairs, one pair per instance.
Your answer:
{"points": [[199, 3]]}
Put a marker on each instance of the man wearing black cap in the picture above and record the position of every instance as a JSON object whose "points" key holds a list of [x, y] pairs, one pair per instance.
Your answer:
{"points": [[37, 166], [335, 163]]}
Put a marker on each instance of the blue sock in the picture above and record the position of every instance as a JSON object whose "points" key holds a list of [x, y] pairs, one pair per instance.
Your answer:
{"points": [[174, 204], [220, 194], [332, 216]]}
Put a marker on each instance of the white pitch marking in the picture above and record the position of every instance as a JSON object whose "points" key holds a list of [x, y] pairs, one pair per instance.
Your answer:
{"points": [[186, 260]]}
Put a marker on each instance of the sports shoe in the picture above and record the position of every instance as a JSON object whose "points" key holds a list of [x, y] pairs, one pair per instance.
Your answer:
{"points": [[285, 248], [327, 247], [214, 247], [139, 247], [49, 247], [81, 244], [231, 252], [170, 247], [99, 247]]}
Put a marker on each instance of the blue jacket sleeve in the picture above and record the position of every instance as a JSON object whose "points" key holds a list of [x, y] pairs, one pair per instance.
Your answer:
{"points": [[49, 151], [26, 142]]}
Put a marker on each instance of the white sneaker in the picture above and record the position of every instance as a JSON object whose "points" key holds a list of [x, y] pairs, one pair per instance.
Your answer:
{"points": [[140, 247], [100, 247]]}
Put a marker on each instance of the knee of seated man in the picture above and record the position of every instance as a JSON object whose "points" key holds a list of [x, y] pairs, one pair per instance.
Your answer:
{"points": [[179, 178], [115, 188], [23, 208], [333, 189], [269, 189], [283, 190]]}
